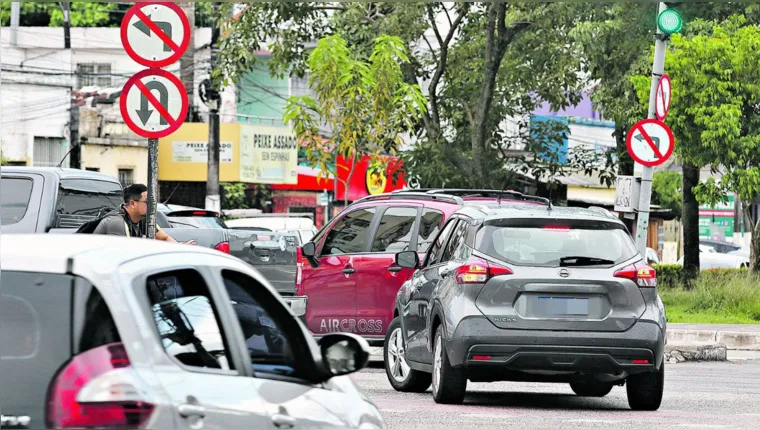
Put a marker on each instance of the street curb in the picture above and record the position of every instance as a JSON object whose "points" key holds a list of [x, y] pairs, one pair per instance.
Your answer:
{"points": [[731, 339], [681, 353]]}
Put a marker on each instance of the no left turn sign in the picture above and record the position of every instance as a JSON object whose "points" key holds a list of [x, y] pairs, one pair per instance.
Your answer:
{"points": [[154, 103], [155, 34], [650, 142]]}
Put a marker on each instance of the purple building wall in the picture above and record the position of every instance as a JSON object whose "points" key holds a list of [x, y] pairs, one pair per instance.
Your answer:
{"points": [[584, 109]]}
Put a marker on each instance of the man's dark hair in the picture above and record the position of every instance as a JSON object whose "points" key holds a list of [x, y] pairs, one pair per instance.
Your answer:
{"points": [[134, 192]]}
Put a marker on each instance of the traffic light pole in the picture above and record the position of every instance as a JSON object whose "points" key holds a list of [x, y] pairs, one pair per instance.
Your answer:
{"points": [[658, 69]]}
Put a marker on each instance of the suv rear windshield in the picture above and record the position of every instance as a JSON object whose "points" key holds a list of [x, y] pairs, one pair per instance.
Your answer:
{"points": [[194, 221], [551, 242]]}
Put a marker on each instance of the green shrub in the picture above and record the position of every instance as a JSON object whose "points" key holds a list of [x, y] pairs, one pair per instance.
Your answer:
{"points": [[671, 276], [721, 296]]}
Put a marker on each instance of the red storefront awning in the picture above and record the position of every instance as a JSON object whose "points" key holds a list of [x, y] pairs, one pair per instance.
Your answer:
{"points": [[360, 184]]}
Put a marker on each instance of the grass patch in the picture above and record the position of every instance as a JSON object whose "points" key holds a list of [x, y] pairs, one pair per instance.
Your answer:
{"points": [[726, 299]]}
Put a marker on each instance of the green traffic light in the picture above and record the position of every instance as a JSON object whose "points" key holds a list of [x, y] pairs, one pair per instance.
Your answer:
{"points": [[670, 21]]}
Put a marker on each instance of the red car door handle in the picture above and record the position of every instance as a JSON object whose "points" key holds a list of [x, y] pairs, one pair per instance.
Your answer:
{"points": [[348, 270], [394, 269]]}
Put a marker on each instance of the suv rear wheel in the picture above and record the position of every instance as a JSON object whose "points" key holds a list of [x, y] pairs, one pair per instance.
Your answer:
{"points": [[645, 390], [449, 383], [591, 389], [402, 377]]}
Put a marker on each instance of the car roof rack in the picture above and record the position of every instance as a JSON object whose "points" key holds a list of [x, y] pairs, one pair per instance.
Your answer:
{"points": [[499, 194], [417, 194]]}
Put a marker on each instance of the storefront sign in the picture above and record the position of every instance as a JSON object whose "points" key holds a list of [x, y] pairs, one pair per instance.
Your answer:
{"points": [[197, 152], [376, 180], [268, 155], [717, 222]]}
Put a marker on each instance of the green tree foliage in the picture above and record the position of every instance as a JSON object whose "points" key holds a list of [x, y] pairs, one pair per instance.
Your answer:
{"points": [[368, 105], [506, 59], [83, 14], [714, 115], [666, 190]]}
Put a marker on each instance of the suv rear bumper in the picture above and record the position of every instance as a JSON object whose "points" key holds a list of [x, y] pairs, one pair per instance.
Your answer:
{"points": [[477, 343]]}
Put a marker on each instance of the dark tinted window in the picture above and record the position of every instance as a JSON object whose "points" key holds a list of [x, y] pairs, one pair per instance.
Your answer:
{"points": [[14, 199], [457, 239], [544, 243], [37, 332], [88, 197], [350, 233], [430, 225], [268, 347], [437, 249], [187, 320], [395, 230]]}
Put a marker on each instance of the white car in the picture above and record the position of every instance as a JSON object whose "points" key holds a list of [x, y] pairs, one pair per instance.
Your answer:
{"points": [[108, 332], [709, 259]]}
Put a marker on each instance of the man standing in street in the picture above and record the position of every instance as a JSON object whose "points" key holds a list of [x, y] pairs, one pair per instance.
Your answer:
{"points": [[130, 220]]}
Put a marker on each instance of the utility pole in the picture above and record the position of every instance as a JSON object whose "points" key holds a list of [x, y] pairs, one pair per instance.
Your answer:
{"points": [[15, 18], [213, 200], [658, 69], [187, 62], [73, 109]]}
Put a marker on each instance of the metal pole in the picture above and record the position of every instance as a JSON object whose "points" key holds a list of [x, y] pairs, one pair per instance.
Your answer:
{"points": [[152, 186], [15, 18], [213, 202], [658, 69]]}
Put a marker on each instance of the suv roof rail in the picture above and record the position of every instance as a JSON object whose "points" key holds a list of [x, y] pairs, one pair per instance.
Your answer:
{"points": [[404, 194], [463, 192]]}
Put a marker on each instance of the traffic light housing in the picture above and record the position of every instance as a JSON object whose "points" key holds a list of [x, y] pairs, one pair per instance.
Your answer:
{"points": [[670, 21]]}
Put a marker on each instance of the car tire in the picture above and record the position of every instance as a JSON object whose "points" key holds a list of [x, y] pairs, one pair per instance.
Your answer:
{"points": [[449, 383], [591, 389], [400, 375], [645, 390]]}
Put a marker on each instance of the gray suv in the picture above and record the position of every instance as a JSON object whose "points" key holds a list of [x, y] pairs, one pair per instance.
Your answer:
{"points": [[529, 293]]}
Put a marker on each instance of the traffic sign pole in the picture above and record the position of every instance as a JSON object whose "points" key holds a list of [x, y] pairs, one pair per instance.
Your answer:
{"points": [[658, 69], [152, 186]]}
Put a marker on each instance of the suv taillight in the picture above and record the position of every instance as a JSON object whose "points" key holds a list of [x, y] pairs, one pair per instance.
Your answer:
{"points": [[479, 271], [299, 270], [98, 389], [643, 275], [223, 246]]}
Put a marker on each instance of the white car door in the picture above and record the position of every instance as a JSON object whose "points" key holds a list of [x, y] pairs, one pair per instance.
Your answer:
{"points": [[195, 358], [279, 359]]}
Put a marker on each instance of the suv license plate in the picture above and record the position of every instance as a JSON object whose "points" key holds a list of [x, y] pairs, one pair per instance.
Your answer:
{"points": [[564, 305]]}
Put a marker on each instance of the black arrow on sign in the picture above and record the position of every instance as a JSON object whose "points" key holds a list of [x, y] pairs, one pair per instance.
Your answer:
{"points": [[144, 112], [656, 140], [163, 25]]}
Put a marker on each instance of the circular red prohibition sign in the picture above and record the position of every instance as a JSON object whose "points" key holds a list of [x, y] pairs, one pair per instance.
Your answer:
{"points": [[135, 83], [152, 28], [659, 156]]}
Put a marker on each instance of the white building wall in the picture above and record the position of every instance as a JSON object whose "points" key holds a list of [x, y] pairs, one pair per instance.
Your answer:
{"points": [[38, 75]]}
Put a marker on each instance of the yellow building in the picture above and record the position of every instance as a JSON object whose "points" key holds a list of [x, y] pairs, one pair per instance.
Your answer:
{"points": [[126, 159]]}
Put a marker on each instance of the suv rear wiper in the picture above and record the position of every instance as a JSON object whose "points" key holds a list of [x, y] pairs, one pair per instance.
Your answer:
{"points": [[584, 261]]}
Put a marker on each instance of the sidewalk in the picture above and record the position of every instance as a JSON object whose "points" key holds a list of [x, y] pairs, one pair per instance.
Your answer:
{"points": [[734, 336]]}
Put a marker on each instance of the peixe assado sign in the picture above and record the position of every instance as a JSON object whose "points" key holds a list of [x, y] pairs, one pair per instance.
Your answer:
{"points": [[268, 155]]}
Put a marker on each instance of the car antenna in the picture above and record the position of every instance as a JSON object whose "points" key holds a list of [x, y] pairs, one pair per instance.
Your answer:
{"points": [[498, 200], [64, 157], [171, 194]]}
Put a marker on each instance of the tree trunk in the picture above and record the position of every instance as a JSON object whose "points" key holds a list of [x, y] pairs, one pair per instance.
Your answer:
{"points": [[754, 253], [690, 222]]}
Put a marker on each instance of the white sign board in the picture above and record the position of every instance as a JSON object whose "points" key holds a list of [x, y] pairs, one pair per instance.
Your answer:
{"points": [[626, 194], [154, 102], [197, 152], [268, 155]]}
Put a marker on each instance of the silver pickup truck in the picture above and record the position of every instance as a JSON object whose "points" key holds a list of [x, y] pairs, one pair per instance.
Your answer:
{"points": [[57, 200]]}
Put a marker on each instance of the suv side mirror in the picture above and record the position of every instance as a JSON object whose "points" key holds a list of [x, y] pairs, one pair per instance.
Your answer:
{"points": [[344, 353], [408, 259], [309, 249]]}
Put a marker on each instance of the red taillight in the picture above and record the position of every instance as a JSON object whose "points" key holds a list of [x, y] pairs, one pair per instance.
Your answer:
{"points": [[299, 270], [556, 228], [640, 361], [479, 271], [481, 357], [643, 275], [223, 246], [201, 213], [96, 390]]}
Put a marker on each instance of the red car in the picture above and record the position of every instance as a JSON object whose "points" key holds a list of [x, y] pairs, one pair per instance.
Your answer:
{"points": [[346, 276]]}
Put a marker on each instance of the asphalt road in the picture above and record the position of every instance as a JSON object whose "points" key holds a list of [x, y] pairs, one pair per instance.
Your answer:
{"points": [[697, 395]]}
